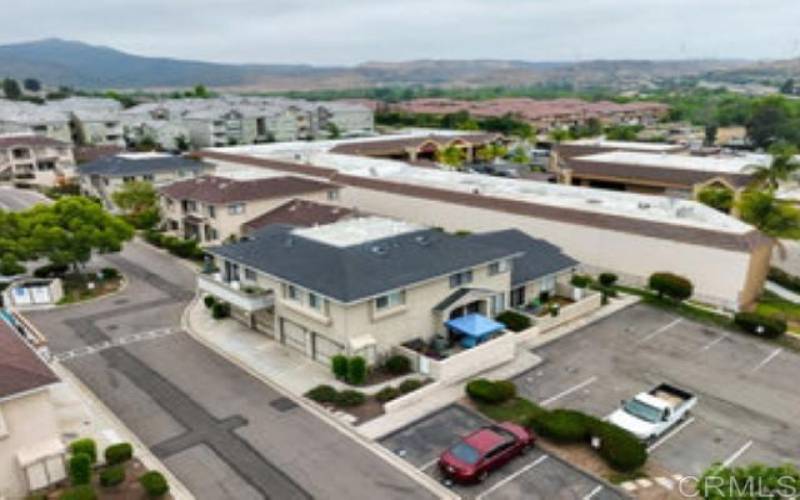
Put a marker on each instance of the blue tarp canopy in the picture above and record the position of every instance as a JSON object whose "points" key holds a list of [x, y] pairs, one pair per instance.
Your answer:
{"points": [[475, 327]]}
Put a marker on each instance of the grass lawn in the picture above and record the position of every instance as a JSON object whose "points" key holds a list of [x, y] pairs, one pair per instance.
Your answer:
{"points": [[77, 287]]}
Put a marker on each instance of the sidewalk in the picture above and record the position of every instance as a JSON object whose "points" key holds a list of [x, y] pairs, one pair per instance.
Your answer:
{"points": [[81, 414]]}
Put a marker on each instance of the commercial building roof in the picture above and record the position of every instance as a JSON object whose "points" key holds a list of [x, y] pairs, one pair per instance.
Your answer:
{"points": [[725, 164], [369, 267], [658, 147], [213, 189], [21, 369], [131, 164], [300, 213]]}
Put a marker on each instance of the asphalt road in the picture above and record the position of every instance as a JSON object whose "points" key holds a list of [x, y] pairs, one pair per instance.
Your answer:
{"points": [[223, 433], [14, 200]]}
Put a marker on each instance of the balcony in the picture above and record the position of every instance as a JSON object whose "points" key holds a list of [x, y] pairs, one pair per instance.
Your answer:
{"points": [[246, 298]]}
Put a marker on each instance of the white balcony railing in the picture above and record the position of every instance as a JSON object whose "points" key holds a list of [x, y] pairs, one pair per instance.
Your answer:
{"points": [[242, 297]]}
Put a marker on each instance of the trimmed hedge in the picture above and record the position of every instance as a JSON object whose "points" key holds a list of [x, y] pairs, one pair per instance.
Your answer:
{"points": [[356, 370], [339, 366], [618, 447], [154, 484], [580, 281], [112, 476], [87, 446], [220, 310], [322, 394], [83, 492], [564, 426], [118, 453], [387, 394], [757, 324], [349, 398], [514, 321], [109, 273], [491, 392], [410, 385], [397, 364], [607, 279], [51, 271], [671, 285], [80, 469], [209, 301]]}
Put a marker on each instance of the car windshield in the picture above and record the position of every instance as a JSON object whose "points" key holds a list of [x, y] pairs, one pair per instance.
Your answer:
{"points": [[643, 411], [465, 453]]}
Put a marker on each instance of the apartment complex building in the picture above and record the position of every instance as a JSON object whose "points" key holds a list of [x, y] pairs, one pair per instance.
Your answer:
{"points": [[213, 209], [363, 286], [633, 235], [35, 159]]}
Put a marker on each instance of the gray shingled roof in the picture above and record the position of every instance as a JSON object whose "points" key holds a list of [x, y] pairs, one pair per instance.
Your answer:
{"points": [[118, 166], [349, 274], [539, 258]]}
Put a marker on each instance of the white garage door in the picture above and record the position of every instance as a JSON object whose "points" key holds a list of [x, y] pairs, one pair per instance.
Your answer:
{"points": [[325, 349], [293, 335]]}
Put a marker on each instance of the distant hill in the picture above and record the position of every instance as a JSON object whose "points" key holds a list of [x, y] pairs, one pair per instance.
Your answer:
{"points": [[76, 64]]}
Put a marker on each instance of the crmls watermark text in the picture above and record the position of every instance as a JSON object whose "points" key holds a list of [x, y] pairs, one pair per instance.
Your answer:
{"points": [[780, 487]]}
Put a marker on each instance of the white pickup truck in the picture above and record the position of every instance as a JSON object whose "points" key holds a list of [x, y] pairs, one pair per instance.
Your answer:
{"points": [[648, 415]]}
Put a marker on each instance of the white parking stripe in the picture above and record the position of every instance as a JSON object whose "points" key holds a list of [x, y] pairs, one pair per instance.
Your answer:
{"points": [[512, 477], [670, 434], [739, 452], [767, 360], [715, 342], [429, 464], [594, 492], [569, 391], [660, 330]]}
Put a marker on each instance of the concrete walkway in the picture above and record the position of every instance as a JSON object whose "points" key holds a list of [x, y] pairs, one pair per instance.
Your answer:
{"points": [[782, 292]]}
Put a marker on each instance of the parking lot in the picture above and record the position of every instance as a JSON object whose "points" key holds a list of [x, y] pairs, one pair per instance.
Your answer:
{"points": [[748, 407], [534, 475]]}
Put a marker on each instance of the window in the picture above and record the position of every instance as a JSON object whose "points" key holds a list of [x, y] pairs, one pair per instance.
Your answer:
{"points": [[333, 195], [459, 279], [498, 304], [249, 274], [390, 300], [236, 208], [212, 212], [547, 284], [498, 267], [128, 178], [294, 293], [314, 301], [170, 202], [148, 177]]}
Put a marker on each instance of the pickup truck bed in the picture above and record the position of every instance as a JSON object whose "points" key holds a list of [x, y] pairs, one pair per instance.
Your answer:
{"points": [[671, 395]]}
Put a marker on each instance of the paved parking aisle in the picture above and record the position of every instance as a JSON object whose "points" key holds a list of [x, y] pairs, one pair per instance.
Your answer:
{"points": [[747, 409], [534, 475]]}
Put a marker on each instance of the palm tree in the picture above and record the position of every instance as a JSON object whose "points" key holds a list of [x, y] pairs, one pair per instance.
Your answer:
{"points": [[451, 156], [781, 168], [770, 215]]}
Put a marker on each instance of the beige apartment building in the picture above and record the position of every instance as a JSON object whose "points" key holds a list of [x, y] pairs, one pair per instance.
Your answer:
{"points": [[35, 159], [213, 209], [365, 285], [31, 451]]}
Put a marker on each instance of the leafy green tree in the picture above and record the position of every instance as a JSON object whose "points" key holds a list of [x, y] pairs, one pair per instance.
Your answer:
{"points": [[788, 87], [774, 119], [520, 156], [623, 132], [780, 169], [9, 266], [147, 143], [560, 135], [718, 198], [710, 134], [752, 482], [491, 152], [139, 202], [182, 143], [11, 89], [32, 85], [451, 156], [201, 91], [770, 215], [333, 131]]}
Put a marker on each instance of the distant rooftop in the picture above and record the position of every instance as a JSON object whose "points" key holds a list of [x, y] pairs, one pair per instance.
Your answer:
{"points": [[357, 231], [132, 164], [726, 164], [625, 145], [21, 369], [214, 189]]}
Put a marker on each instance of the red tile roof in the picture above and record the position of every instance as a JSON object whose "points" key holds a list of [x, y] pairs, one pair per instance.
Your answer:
{"points": [[301, 213], [21, 369], [212, 189]]}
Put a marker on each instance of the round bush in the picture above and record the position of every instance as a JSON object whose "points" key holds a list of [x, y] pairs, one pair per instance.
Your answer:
{"points": [[514, 321], [356, 370], [607, 279], [350, 398], [154, 483], [80, 469], [118, 453], [580, 281], [83, 492], [323, 394], [758, 324], [112, 476], [209, 301], [51, 271], [565, 426], [220, 310], [387, 394], [109, 273], [671, 285], [410, 385], [339, 366], [491, 392], [397, 365], [619, 448], [86, 446]]}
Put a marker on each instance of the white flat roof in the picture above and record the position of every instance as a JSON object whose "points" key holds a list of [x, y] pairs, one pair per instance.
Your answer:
{"points": [[630, 145], [357, 231], [733, 164], [675, 211], [144, 156]]}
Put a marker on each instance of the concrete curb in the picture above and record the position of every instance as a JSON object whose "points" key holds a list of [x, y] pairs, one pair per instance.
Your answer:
{"points": [[434, 487], [142, 452]]}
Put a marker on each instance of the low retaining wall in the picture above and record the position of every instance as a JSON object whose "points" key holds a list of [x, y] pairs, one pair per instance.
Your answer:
{"points": [[590, 302]]}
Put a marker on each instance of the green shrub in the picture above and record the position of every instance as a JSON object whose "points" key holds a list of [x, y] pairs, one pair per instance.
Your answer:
{"points": [[154, 238], [51, 271], [671, 285], [348, 398], [410, 385], [356, 370], [86, 446], [80, 469], [618, 447], [784, 279], [209, 301], [36, 496], [339, 366], [109, 273], [118, 453], [322, 394], [580, 281], [112, 476], [758, 324], [514, 321], [491, 392], [220, 310], [607, 279], [82, 492], [564, 426], [387, 394], [397, 364], [154, 483]]}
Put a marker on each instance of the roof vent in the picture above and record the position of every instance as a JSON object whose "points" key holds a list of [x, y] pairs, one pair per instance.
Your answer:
{"points": [[379, 249]]}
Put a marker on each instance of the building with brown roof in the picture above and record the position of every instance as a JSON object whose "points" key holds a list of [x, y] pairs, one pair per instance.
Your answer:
{"points": [[35, 159], [418, 148], [300, 213], [31, 452], [212, 209]]}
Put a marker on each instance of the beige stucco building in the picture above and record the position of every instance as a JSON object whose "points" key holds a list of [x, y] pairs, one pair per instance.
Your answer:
{"points": [[35, 159]]}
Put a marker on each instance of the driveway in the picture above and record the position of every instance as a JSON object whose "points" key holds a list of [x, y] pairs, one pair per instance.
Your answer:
{"points": [[223, 433], [748, 407], [14, 200]]}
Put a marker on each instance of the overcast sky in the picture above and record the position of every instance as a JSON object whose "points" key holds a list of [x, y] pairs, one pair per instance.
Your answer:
{"points": [[327, 32]]}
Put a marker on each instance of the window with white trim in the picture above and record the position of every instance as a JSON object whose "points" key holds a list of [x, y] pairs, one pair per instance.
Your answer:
{"points": [[314, 301], [459, 279], [390, 300], [236, 208], [498, 267], [249, 274]]}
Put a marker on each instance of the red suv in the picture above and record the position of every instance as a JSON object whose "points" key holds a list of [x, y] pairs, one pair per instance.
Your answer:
{"points": [[486, 449]]}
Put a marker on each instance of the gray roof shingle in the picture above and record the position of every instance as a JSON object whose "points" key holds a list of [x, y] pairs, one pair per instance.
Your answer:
{"points": [[117, 166]]}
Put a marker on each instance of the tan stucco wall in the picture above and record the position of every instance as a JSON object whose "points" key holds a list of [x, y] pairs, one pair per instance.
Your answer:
{"points": [[30, 419]]}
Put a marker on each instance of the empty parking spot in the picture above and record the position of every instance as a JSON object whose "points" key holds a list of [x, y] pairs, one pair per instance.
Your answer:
{"points": [[430, 464], [670, 434], [663, 329], [766, 360], [513, 476], [594, 492], [715, 342], [569, 391], [728, 461]]}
